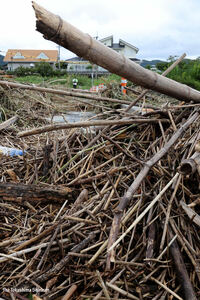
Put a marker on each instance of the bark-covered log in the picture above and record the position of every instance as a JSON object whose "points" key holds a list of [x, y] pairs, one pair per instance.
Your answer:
{"points": [[61, 32], [19, 193]]}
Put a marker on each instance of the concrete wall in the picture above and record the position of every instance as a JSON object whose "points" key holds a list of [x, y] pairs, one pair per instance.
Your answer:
{"points": [[128, 52]]}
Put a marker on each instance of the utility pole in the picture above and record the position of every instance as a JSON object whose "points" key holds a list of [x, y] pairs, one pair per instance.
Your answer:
{"points": [[59, 57]]}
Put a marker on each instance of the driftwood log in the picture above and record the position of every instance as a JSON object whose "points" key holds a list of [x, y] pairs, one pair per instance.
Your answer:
{"points": [[61, 32], [19, 193]]}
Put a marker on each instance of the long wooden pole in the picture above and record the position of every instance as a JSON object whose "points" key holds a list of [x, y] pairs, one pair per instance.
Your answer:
{"points": [[61, 32], [163, 74], [60, 92], [85, 124]]}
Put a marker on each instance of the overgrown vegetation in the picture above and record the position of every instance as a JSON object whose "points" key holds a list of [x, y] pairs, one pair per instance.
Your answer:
{"points": [[43, 73], [43, 69], [187, 71]]}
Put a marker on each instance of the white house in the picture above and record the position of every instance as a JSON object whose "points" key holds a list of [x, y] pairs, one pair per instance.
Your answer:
{"points": [[80, 65], [27, 58], [121, 47]]}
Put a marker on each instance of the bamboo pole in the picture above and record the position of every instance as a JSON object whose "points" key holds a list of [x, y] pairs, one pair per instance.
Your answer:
{"points": [[59, 126], [61, 32], [6, 124], [163, 74], [60, 92], [135, 185], [190, 165], [181, 270]]}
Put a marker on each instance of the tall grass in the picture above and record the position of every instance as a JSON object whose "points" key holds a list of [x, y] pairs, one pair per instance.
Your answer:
{"points": [[84, 82]]}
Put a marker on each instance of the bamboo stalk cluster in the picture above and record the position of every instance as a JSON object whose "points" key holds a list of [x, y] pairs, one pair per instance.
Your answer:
{"points": [[59, 203]]}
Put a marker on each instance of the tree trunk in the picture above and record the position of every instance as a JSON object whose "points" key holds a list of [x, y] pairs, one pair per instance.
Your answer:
{"points": [[55, 29]]}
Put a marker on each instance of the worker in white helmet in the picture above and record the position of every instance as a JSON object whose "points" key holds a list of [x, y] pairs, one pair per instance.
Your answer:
{"points": [[75, 83]]}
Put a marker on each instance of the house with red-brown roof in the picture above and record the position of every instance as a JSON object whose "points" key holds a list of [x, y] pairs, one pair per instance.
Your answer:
{"points": [[16, 58]]}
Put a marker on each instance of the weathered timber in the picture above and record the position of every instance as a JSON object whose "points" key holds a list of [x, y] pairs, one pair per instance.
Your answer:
{"points": [[61, 32], [19, 193]]}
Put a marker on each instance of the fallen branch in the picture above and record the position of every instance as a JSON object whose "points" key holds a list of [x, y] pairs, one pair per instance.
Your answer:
{"points": [[181, 269], [61, 92], [139, 218], [60, 126], [191, 213], [54, 271], [8, 123]]}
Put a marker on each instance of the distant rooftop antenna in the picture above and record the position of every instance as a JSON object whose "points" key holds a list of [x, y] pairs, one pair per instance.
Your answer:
{"points": [[96, 37]]}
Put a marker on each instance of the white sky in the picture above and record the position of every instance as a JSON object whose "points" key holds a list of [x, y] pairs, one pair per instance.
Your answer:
{"points": [[159, 28]]}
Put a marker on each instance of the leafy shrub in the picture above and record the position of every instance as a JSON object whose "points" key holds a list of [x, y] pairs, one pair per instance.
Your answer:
{"points": [[22, 71], [44, 69], [186, 72]]}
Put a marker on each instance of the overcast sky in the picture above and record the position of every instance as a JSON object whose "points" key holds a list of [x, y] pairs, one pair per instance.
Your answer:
{"points": [[159, 28]]}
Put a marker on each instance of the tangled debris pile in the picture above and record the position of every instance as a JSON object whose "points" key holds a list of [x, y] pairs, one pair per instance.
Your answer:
{"points": [[58, 202]]}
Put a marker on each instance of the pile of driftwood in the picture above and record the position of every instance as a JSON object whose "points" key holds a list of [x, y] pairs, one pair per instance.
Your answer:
{"points": [[100, 209], [104, 213]]}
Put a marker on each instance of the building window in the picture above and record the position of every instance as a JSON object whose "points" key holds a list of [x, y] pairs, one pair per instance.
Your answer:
{"points": [[18, 55], [42, 56]]}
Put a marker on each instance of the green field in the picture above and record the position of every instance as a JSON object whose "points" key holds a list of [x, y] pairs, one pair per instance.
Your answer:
{"points": [[84, 82]]}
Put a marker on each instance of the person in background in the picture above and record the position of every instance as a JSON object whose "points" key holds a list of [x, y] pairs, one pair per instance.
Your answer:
{"points": [[75, 82]]}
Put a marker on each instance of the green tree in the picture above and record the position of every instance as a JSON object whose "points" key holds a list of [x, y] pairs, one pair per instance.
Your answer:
{"points": [[44, 69], [148, 67], [162, 66]]}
